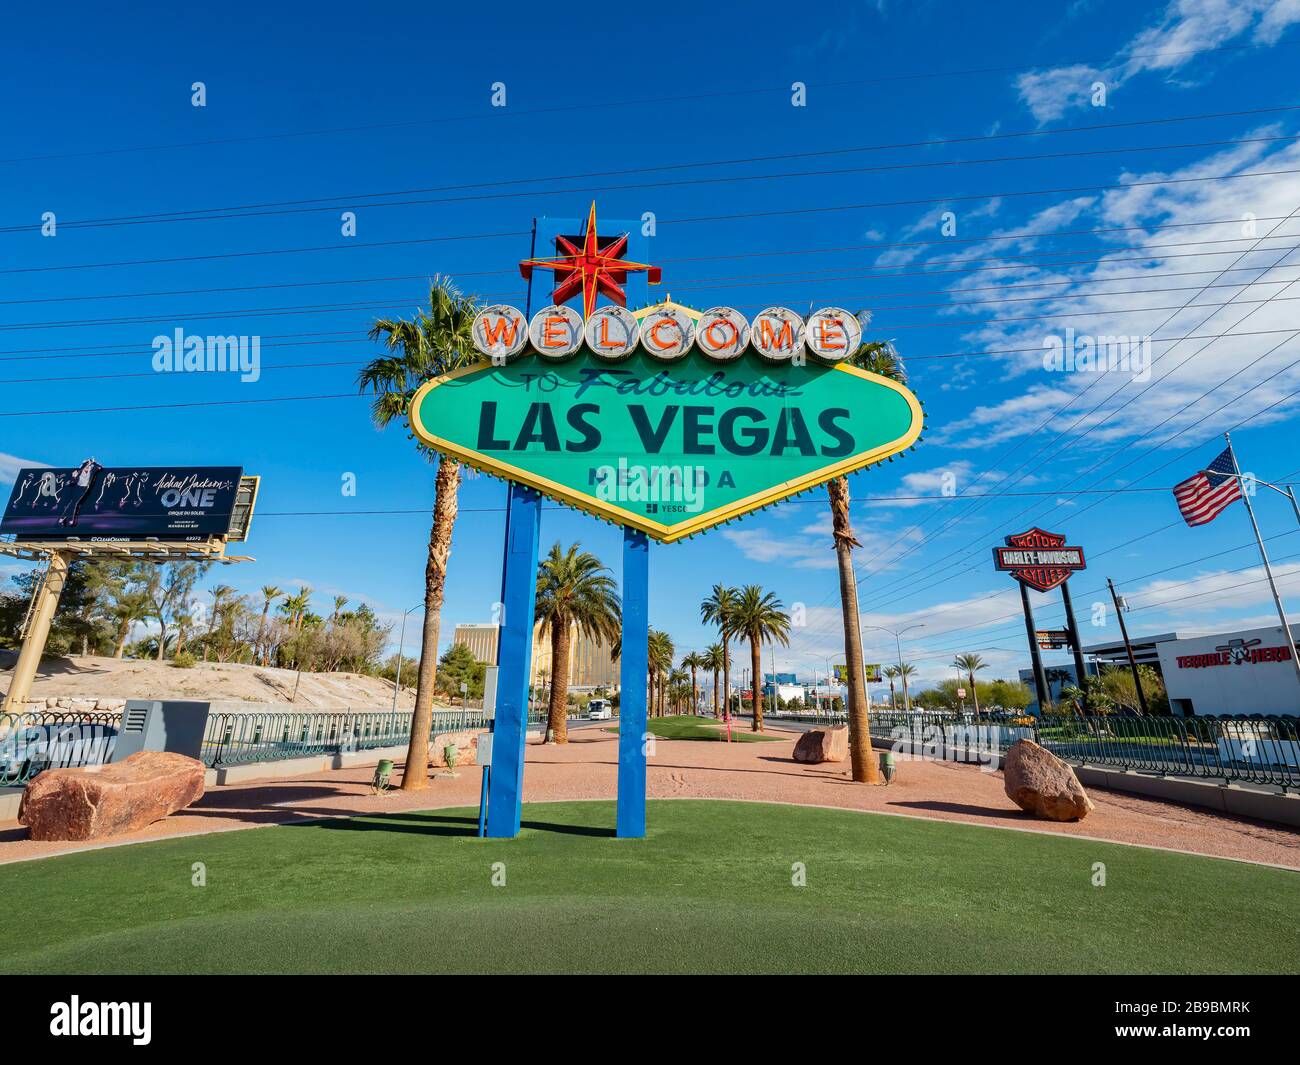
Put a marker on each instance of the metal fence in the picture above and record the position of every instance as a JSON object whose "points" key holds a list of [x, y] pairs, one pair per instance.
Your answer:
{"points": [[239, 738], [1254, 750], [31, 743]]}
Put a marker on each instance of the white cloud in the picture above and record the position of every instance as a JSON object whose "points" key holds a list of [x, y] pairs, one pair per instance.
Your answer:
{"points": [[812, 547], [1185, 28], [1143, 299], [11, 464]]}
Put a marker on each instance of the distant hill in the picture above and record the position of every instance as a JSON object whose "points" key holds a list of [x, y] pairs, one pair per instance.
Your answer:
{"points": [[110, 679]]}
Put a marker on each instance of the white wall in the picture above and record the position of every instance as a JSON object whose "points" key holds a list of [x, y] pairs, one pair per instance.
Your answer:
{"points": [[1232, 688]]}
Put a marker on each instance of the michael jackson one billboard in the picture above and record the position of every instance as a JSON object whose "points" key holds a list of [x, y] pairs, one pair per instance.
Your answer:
{"points": [[99, 503]]}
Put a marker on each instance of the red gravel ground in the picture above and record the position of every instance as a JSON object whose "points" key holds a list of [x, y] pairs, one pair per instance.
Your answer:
{"points": [[587, 768]]}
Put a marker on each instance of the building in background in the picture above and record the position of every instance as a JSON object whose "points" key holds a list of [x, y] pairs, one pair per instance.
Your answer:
{"points": [[1244, 672], [591, 664]]}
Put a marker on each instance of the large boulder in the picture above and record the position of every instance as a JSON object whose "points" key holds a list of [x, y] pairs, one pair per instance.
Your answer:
{"points": [[99, 801], [822, 745], [466, 742], [1041, 784]]}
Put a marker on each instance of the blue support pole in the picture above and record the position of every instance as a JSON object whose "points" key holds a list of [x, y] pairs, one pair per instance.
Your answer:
{"points": [[515, 656], [632, 683]]}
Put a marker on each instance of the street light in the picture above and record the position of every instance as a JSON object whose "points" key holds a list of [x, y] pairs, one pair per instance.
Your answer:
{"points": [[401, 640], [898, 644]]}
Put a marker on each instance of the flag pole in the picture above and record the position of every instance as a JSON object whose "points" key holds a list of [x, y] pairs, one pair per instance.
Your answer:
{"points": [[1268, 569]]}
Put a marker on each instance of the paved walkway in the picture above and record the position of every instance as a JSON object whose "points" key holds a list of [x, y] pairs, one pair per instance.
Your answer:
{"points": [[587, 768]]}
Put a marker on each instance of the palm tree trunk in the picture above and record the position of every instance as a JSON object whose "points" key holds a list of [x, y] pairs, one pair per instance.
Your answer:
{"points": [[557, 717], [261, 632], [756, 686], [726, 679], [974, 695], [415, 776], [860, 752], [123, 631], [162, 639], [716, 709]]}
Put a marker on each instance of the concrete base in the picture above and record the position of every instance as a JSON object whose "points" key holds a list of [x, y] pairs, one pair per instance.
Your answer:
{"points": [[9, 800], [296, 767], [1261, 803], [371, 757], [289, 767]]}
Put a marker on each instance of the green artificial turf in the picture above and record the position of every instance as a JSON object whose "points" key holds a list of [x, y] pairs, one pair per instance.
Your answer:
{"points": [[709, 890], [690, 727]]}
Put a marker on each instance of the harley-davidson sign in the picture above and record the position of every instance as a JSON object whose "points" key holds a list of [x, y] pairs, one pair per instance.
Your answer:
{"points": [[1039, 559]]}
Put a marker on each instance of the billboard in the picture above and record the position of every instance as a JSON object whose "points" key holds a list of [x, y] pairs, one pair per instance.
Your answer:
{"points": [[100, 504], [1052, 638], [871, 672]]}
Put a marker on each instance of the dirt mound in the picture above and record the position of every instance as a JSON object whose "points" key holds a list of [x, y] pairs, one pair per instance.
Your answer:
{"points": [[110, 678]]}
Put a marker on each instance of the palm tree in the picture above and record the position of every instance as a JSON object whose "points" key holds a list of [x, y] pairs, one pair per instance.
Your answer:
{"points": [[575, 593], [128, 608], [295, 606], [676, 685], [905, 670], [969, 663], [340, 601], [878, 357], [891, 672], [660, 661], [433, 343], [717, 609], [758, 617], [713, 662], [220, 593], [270, 593], [694, 661]]}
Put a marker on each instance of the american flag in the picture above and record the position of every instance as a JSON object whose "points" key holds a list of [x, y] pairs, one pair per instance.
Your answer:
{"points": [[1203, 497]]}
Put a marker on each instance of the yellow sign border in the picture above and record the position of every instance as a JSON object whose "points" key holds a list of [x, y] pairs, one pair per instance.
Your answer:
{"points": [[664, 533]]}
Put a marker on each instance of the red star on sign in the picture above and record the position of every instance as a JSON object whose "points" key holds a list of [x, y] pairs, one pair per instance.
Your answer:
{"points": [[590, 269]]}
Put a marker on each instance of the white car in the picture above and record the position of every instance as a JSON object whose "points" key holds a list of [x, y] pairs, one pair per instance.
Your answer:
{"points": [[599, 710]]}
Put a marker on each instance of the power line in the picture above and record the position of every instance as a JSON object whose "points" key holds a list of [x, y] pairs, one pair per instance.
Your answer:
{"points": [[506, 112], [212, 214], [749, 215], [425, 276], [1073, 399], [914, 589], [316, 308], [354, 245]]}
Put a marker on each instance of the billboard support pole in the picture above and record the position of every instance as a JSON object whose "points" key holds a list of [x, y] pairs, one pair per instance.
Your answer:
{"points": [[1075, 645], [29, 658], [1040, 678], [510, 730], [633, 667]]}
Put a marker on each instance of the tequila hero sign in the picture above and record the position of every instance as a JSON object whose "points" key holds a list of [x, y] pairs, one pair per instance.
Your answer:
{"points": [[668, 449]]}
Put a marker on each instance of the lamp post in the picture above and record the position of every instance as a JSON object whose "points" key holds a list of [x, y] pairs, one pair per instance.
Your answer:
{"points": [[898, 644], [401, 640]]}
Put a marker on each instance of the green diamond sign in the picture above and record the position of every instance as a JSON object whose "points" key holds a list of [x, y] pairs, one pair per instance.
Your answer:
{"points": [[667, 448]]}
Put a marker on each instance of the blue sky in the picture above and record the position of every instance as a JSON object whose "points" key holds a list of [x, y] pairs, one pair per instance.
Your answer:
{"points": [[336, 104]]}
